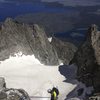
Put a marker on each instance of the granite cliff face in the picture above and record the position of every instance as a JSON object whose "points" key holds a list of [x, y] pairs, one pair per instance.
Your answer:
{"points": [[65, 50], [43, 50], [87, 59], [16, 37]]}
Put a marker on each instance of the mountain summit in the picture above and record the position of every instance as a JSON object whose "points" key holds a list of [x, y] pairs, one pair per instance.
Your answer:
{"points": [[16, 37], [87, 58]]}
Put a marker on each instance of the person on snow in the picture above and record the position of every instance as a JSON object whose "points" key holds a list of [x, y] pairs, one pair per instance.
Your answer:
{"points": [[54, 93]]}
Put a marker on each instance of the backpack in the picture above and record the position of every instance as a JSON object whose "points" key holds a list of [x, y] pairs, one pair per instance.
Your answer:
{"points": [[56, 90]]}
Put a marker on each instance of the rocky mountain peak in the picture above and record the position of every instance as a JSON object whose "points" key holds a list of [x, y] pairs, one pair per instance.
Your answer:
{"points": [[87, 58], [93, 28], [9, 20], [92, 33], [95, 41], [19, 37]]}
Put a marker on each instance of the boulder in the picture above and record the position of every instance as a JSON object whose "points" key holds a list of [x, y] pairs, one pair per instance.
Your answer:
{"points": [[11, 94]]}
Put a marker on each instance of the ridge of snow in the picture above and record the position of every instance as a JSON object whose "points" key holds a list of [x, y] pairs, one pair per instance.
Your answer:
{"points": [[50, 39]]}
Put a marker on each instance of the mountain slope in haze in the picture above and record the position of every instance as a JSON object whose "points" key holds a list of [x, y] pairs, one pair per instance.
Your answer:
{"points": [[52, 22]]}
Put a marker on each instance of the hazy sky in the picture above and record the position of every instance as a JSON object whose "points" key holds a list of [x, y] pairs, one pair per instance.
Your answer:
{"points": [[76, 2], [2, 0], [66, 2]]}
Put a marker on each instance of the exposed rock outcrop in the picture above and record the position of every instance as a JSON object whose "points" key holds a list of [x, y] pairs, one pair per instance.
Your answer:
{"points": [[11, 94], [43, 50], [87, 59], [2, 84], [15, 37], [65, 50]]}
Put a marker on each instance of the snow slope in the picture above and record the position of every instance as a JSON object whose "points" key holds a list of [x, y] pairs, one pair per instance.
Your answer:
{"points": [[28, 73]]}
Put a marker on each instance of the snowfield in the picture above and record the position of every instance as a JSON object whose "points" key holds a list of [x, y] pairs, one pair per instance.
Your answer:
{"points": [[28, 73]]}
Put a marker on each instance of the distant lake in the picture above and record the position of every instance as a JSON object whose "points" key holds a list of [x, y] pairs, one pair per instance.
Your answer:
{"points": [[14, 9]]}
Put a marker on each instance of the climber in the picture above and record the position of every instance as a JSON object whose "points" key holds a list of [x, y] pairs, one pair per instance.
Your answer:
{"points": [[54, 93]]}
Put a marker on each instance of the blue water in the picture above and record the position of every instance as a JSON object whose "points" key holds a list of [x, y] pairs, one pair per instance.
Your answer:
{"points": [[15, 8]]}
